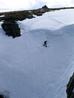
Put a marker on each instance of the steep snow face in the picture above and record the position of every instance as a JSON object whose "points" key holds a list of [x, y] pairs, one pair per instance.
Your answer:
{"points": [[30, 70], [53, 20]]}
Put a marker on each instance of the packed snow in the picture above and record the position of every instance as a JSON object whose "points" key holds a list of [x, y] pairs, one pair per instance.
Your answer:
{"points": [[30, 70]]}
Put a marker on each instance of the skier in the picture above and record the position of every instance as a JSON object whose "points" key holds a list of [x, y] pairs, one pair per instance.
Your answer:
{"points": [[45, 43]]}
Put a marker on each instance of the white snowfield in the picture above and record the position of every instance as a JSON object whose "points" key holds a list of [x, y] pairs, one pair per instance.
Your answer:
{"points": [[30, 70]]}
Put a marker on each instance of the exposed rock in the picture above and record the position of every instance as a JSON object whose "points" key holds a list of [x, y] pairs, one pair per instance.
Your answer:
{"points": [[70, 87], [11, 28], [2, 96], [40, 11], [21, 15]]}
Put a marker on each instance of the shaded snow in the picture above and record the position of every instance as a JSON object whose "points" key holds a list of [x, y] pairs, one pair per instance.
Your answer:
{"points": [[29, 70]]}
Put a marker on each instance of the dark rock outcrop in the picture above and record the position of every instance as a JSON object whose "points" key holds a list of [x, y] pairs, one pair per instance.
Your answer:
{"points": [[40, 11], [11, 28], [70, 87], [2, 96]]}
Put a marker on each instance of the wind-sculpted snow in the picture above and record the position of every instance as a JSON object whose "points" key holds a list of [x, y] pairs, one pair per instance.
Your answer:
{"points": [[68, 29]]}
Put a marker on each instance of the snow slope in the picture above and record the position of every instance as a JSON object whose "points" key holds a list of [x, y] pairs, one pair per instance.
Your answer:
{"points": [[29, 70]]}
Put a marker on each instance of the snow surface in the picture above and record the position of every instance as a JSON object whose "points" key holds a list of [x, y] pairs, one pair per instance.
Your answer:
{"points": [[30, 70]]}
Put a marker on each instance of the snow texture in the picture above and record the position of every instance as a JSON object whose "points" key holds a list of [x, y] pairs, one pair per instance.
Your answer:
{"points": [[30, 70]]}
